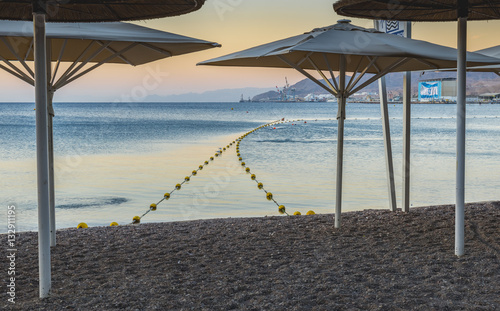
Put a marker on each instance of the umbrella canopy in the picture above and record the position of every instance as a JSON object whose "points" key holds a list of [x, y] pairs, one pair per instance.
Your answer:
{"points": [[84, 43], [493, 51], [432, 10], [417, 10], [74, 38], [365, 51], [365, 48], [347, 48], [97, 10]]}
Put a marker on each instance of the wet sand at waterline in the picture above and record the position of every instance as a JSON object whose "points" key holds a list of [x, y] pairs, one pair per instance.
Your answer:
{"points": [[378, 260]]}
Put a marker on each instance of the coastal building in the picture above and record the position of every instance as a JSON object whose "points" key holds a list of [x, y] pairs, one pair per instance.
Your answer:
{"points": [[437, 90]]}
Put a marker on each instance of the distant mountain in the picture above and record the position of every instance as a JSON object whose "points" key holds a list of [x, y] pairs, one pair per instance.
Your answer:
{"points": [[224, 95], [477, 83]]}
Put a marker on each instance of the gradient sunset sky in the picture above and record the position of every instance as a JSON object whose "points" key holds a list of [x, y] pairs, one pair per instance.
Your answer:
{"points": [[237, 25]]}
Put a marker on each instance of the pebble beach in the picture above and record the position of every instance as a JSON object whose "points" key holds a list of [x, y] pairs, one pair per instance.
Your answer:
{"points": [[378, 260]]}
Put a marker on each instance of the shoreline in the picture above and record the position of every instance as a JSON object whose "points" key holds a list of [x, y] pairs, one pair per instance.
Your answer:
{"points": [[378, 260]]}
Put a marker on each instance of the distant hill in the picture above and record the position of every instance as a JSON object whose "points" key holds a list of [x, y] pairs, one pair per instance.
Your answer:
{"points": [[477, 83], [224, 95]]}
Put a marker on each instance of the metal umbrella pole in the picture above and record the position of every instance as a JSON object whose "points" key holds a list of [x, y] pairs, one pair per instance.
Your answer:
{"points": [[341, 101], [461, 101], [42, 153]]}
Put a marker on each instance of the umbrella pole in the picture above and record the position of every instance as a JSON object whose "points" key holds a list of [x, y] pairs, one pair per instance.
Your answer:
{"points": [[387, 143], [341, 101], [461, 101], [406, 131], [42, 153], [406, 140], [50, 95], [51, 170], [382, 87]]}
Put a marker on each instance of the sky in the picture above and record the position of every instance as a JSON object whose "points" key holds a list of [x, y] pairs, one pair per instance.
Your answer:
{"points": [[237, 25]]}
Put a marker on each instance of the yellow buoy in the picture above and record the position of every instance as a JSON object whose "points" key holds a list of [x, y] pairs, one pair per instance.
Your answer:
{"points": [[240, 158], [281, 209], [206, 162], [253, 176], [297, 213], [152, 207], [260, 185], [242, 163], [178, 186], [166, 196], [113, 224], [136, 220], [186, 178], [216, 154], [311, 213], [194, 173], [200, 167], [238, 154], [269, 196], [211, 158], [82, 225], [247, 170]]}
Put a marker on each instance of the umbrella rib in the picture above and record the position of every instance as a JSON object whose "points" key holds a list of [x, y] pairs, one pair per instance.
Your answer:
{"points": [[15, 74], [15, 68], [380, 74], [62, 80], [11, 49], [302, 71], [304, 58], [374, 65], [354, 73], [428, 63], [75, 62], [157, 49], [361, 74], [99, 64], [119, 56], [331, 71], [63, 47], [29, 49], [336, 91]]}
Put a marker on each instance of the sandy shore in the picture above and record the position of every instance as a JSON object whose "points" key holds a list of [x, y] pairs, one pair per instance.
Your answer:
{"points": [[379, 260]]}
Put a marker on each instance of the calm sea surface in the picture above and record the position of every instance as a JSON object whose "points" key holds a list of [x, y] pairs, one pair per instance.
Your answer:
{"points": [[114, 160]]}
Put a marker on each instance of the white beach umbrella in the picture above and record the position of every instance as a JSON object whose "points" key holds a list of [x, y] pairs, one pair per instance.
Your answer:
{"points": [[85, 46], [347, 48], [432, 11]]}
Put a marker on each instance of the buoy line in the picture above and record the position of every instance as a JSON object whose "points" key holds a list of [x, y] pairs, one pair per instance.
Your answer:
{"points": [[260, 185], [153, 207]]}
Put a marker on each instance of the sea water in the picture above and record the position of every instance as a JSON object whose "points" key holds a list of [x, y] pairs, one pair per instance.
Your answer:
{"points": [[112, 160]]}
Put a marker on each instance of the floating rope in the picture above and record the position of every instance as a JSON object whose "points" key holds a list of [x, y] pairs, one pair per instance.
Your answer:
{"points": [[260, 185], [167, 195]]}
